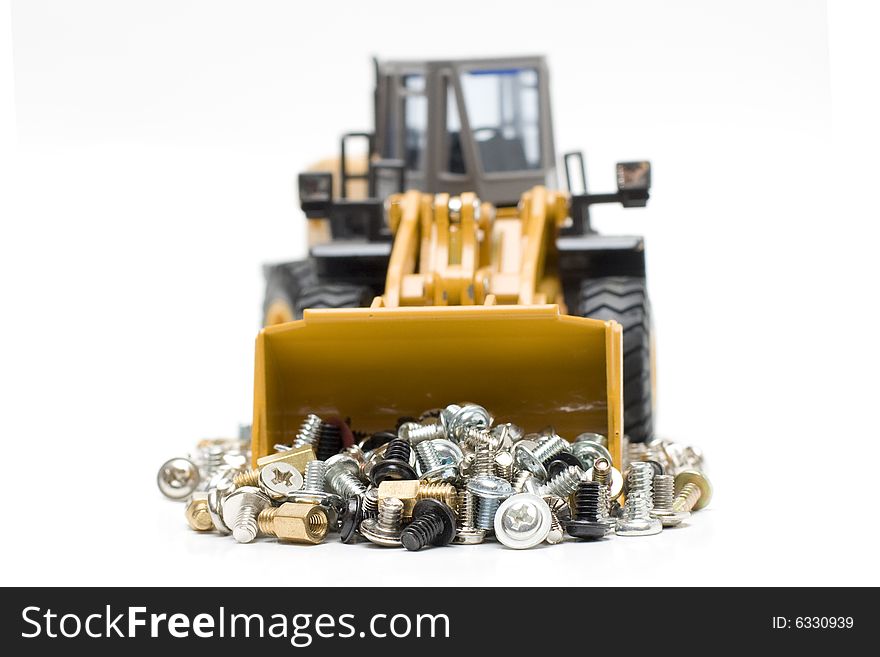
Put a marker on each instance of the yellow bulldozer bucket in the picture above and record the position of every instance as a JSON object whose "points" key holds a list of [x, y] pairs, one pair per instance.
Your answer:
{"points": [[527, 364]]}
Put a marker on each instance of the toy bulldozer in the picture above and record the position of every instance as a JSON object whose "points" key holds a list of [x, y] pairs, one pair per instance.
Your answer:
{"points": [[443, 268]]}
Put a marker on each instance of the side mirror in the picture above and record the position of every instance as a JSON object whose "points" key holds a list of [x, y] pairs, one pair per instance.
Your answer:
{"points": [[315, 194], [633, 183]]}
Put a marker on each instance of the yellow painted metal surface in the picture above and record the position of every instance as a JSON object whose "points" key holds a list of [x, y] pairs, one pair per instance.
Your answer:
{"points": [[527, 364], [473, 311]]}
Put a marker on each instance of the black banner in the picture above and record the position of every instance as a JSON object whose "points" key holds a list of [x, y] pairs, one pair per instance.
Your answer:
{"points": [[409, 620]]}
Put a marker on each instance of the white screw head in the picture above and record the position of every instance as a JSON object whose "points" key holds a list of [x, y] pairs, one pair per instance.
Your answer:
{"points": [[279, 480], [523, 521]]}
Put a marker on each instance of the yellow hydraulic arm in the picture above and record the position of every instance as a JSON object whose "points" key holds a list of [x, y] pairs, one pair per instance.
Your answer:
{"points": [[454, 250]]}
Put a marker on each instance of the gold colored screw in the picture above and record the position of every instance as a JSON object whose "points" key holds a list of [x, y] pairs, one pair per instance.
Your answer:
{"points": [[694, 491], [411, 491], [295, 522], [197, 514]]}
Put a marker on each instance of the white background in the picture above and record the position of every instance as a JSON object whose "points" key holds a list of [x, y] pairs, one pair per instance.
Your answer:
{"points": [[147, 163]]}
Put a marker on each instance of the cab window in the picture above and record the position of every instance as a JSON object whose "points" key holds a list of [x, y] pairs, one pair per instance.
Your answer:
{"points": [[504, 113]]}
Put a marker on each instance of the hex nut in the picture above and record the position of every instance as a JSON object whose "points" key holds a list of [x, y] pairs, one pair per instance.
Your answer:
{"points": [[197, 514], [405, 490], [295, 522]]}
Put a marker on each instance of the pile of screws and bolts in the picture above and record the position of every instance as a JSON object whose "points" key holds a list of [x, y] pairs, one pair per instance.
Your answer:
{"points": [[452, 477]]}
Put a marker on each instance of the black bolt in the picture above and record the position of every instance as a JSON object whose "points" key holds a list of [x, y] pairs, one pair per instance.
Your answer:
{"points": [[351, 518], [329, 441], [588, 523], [376, 440], [433, 524], [394, 464], [561, 462]]}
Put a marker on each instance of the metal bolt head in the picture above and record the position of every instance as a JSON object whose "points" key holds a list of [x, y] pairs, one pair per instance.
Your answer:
{"points": [[239, 498], [215, 509], [526, 460], [178, 478], [469, 536], [450, 456], [507, 434], [523, 521], [700, 480], [670, 518], [638, 527], [587, 451], [375, 532], [597, 438], [468, 415], [503, 459], [197, 514], [487, 486], [586, 530], [340, 462], [279, 480]]}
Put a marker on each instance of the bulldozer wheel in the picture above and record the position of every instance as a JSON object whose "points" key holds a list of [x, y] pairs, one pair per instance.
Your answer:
{"points": [[625, 299], [293, 287], [333, 295], [284, 285]]}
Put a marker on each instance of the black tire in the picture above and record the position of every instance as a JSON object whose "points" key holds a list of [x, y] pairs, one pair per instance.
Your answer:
{"points": [[284, 286], [333, 295], [625, 300], [293, 287]]}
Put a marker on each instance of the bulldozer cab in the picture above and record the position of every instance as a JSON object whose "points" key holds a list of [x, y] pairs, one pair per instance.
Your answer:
{"points": [[479, 125]]}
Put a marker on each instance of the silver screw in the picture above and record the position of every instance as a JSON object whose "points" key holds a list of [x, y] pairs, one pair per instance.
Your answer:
{"points": [[588, 451], [433, 466], [308, 431], [564, 483], [340, 473], [314, 480], [504, 465], [469, 416], [178, 478], [664, 494], [484, 460], [385, 529], [558, 509], [637, 519], [533, 458], [523, 521], [521, 481], [240, 511], [279, 480], [467, 533], [417, 433], [489, 492]]}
